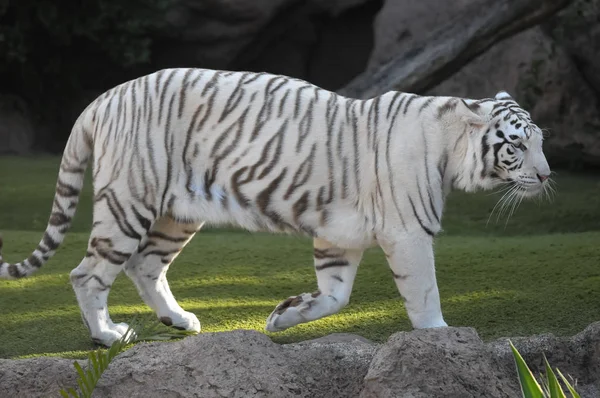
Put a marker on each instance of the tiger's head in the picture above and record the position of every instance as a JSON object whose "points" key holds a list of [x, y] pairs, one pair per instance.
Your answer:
{"points": [[507, 146]]}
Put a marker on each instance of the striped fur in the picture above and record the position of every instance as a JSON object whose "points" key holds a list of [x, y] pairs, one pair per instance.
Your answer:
{"points": [[183, 147]]}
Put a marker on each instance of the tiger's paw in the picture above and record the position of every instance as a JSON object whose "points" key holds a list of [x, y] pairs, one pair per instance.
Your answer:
{"points": [[114, 332], [182, 321], [290, 312]]}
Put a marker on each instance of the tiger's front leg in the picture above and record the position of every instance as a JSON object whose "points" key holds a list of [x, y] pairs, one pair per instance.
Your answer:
{"points": [[335, 269], [412, 262]]}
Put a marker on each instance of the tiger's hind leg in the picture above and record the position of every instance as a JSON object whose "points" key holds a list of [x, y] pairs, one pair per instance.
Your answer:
{"points": [[111, 244], [148, 268], [335, 269]]}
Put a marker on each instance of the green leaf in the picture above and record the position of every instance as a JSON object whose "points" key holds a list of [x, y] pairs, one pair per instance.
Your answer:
{"points": [[529, 386], [93, 363], [73, 392], [83, 381], [553, 387], [544, 383], [65, 394], [81, 385], [569, 386]]}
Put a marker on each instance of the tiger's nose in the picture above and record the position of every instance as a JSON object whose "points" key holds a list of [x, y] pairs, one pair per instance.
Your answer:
{"points": [[542, 177]]}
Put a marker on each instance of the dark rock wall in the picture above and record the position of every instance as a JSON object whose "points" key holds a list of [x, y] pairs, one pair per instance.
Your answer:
{"points": [[550, 69]]}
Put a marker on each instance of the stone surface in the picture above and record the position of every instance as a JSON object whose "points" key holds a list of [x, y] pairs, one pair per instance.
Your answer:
{"points": [[577, 356], [281, 36], [578, 29], [402, 22], [539, 74], [445, 362], [213, 32], [239, 364], [554, 80], [36, 377]]}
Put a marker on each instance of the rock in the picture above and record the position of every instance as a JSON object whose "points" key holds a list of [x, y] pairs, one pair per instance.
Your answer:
{"points": [[35, 377], [327, 43], [16, 128], [402, 22], [578, 30], [212, 33], [454, 362], [239, 364], [436, 363], [577, 356], [539, 74], [445, 362], [544, 77]]}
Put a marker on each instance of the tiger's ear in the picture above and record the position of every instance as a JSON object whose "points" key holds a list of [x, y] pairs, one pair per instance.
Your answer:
{"points": [[469, 113], [503, 95]]}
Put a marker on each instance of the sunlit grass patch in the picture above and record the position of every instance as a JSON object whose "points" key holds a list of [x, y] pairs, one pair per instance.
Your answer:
{"points": [[539, 274]]}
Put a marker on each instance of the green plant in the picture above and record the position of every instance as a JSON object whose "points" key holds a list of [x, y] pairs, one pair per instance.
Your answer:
{"points": [[99, 359], [550, 387]]}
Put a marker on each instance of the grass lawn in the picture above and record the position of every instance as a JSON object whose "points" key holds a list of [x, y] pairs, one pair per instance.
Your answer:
{"points": [[538, 273]]}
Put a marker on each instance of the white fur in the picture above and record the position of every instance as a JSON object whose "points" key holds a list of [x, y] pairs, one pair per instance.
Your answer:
{"points": [[388, 164]]}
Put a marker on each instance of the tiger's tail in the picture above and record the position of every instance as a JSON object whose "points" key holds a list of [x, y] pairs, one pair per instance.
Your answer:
{"points": [[74, 162]]}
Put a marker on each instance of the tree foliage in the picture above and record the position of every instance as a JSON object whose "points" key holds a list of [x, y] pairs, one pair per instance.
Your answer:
{"points": [[118, 28], [49, 48]]}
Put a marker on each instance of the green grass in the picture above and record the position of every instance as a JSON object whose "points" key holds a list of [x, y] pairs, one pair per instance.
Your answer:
{"points": [[539, 273]]}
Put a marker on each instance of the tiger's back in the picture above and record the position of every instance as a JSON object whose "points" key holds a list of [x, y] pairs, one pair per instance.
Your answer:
{"points": [[256, 150]]}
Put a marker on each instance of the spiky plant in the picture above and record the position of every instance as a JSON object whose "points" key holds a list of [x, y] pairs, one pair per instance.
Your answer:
{"points": [[530, 388], [98, 360]]}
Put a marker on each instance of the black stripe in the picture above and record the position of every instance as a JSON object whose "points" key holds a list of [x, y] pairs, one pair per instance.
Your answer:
{"points": [[144, 222], [168, 150], [484, 150], [399, 276], [426, 104], [324, 253], [411, 99], [50, 243], [162, 253], [66, 190], [160, 235], [330, 264], [389, 164], [427, 230], [34, 261], [389, 111]]}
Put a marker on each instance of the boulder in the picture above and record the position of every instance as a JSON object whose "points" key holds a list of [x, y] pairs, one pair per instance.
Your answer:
{"points": [[35, 377], [454, 362], [543, 74], [578, 30], [400, 23], [445, 362], [212, 33], [577, 356], [239, 364], [280, 36]]}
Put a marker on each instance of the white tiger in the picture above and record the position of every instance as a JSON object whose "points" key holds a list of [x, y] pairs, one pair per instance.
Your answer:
{"points": [[182, 147]]}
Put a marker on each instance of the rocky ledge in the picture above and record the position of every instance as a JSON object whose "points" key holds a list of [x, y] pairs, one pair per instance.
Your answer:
{"points": [[448, 362]]}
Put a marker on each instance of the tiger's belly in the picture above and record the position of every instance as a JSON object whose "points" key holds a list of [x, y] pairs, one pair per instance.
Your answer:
{"points": [[339, 223]]}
